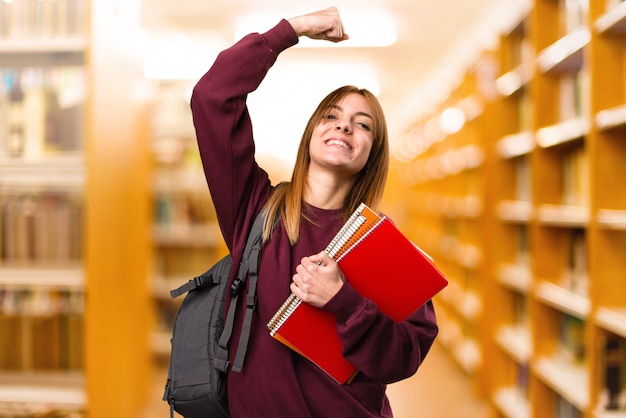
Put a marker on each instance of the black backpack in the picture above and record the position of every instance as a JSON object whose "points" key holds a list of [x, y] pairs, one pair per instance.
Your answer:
{"points": [[196, 380]]}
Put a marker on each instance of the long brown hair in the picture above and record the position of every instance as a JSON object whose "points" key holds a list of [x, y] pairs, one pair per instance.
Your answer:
{"points": [[286, 198]]}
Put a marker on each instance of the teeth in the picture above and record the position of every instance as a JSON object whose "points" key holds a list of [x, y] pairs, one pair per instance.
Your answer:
{"points": [[340, 143]]}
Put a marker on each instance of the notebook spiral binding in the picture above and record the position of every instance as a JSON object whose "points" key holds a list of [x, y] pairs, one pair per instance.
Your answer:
{"points": [[279, 318], [334, 246]]}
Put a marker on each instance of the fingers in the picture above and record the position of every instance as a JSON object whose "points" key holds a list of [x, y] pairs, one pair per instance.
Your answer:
{"points": [[304, 282], [322, 258], [317, 279], [306, 271], [335, 32], [324, 24]]}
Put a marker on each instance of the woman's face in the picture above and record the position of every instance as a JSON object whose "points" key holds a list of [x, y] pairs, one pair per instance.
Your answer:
{"points": [[342, 140]]}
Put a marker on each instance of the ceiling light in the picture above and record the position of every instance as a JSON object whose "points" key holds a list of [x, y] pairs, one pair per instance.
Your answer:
{"points": [[452, 120]]}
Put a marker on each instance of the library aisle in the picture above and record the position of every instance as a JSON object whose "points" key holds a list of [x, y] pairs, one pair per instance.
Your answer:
{"points": [[438, 390]]}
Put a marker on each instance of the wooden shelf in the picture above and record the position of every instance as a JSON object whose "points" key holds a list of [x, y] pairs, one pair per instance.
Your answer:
{"points": [[516, 145], [512, 403], [463, 206], [516, 341], [105, 175], [563, 300], [450, 333], [568, 380], [34, 393], [516, 211], [470, 306], [63, 171], [552, 223], [41, 52], [613, 320], [186, 180], [613, 20], [563, 133], [48, 45], [467, 355], [160, 343], [610, 414], [612, 118], [517, 278], [563, 215], [187, 235], [515, 80], [42, 278], [468, 256], [566, 54], [611, 219]]}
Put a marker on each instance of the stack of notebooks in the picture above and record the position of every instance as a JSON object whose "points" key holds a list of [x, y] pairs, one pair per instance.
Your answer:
{"points": [[381, 264]]}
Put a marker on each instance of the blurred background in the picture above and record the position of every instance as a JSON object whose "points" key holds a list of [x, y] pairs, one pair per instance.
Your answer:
{"points": [[507, 136]]}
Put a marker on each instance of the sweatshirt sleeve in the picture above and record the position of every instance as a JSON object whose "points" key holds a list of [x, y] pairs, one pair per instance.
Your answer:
{"points": [[224, 129], [379, 347]]}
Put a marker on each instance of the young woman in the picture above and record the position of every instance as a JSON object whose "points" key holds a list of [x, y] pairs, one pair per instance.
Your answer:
{"points": [[342, 161]]}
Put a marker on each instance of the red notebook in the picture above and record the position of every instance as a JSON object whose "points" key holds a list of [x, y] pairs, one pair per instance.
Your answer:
{"points": [[382, 265]]}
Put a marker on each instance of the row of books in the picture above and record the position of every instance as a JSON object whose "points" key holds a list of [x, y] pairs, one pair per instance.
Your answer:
{"points": [[41, 110], [523, 183], [524, 111], [522, 254], [613, 379], [521, 50], [42, 343], [40, 301], [183, 208], [573, 88], [576, 275], [572, 339], [612, 372], [575, 176], [44, 227], [522, 378], [42, 18], [520, 310], [184, 261], [564, 409], [573, 14]]}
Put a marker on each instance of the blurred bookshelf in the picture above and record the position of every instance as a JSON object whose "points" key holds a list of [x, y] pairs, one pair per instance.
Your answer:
{"points": [[185, 235], [186, 238], [547, 282], [56, 340]]}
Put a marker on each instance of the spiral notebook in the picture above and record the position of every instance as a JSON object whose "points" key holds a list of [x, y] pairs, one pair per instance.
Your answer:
{"points": [[381, 264]]}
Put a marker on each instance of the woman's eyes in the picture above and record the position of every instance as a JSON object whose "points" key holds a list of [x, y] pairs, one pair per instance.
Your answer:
{"points": [[363, 125]]}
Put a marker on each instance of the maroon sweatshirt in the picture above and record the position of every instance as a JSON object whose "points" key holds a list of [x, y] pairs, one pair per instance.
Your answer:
{"points": [[275, 381]]}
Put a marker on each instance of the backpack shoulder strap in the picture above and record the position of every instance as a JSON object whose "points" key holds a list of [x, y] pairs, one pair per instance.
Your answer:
{"points": [[249, 265]]}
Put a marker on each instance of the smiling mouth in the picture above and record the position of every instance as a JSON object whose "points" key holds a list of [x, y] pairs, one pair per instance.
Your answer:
{"points": [[339, 143]]}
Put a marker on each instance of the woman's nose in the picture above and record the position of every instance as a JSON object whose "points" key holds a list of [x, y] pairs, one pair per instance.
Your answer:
{"points": [[342, 126]]}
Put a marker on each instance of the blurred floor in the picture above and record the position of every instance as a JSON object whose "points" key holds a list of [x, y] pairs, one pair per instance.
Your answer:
{"points": [[438, 390]]}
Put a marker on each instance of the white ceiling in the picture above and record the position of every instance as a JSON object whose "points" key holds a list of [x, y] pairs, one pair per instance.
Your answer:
{"points": [[432, 37]]}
